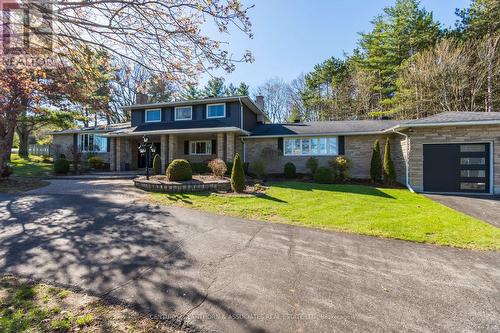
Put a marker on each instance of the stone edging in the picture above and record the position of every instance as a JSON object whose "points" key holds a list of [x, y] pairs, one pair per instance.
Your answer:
{"points": [[188, 186]]}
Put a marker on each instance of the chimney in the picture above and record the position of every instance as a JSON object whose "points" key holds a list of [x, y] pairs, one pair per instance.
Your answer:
{"points": [[259, 101], [141, 98]]}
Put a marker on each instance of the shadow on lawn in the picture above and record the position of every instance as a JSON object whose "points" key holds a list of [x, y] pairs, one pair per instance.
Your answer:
{"points": [[342, 188]]}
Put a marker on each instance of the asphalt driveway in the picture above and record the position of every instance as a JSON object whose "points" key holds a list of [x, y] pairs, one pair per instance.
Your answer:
{"points": [[225, 274]]}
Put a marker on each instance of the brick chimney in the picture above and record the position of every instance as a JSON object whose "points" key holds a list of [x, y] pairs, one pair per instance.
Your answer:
{"points": [[141, 98], [259, 101]]}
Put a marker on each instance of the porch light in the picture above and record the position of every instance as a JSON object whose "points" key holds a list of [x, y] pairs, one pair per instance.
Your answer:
{"points": [[145, 139], [153, 149], [145, 148]]}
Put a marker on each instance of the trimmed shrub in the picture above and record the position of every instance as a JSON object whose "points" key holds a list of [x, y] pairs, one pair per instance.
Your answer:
{"points": [[218, 167], [312, 164], [289, 170], [389, 169], [200, 167], [340, 166], [376, 163], [61, 166], [179, 170], [157, 165], [259, 169], [6, 172], [238, 175], [323, 175], [95, 162]]}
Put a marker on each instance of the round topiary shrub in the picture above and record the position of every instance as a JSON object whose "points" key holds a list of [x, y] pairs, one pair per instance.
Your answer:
{"points": [[179, 170], [323, 175], [96, 162], [290, 170], [61, 166], [157, 165]]}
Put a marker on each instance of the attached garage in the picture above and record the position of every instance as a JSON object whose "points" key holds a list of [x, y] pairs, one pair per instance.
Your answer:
{"points": [[457, 168]]}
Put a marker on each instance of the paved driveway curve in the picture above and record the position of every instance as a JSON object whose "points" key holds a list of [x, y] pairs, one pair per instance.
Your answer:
{"points": [[230, 275]]}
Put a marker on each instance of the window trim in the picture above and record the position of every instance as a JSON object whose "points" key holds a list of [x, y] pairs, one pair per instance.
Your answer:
{"points": [[151, 121], [310, 138], [208, 146], [216, 104], [183, 107], [81, 144]]}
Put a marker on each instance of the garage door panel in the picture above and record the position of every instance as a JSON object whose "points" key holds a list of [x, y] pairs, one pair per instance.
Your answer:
{"points": [[457, 168]]}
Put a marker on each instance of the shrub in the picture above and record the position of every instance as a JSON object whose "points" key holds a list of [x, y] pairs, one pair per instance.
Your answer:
{"points": [[289, 170], [157, 165], [323, 175], [312, 164], [218, 167], [389, 170], [95, 162], [179, 170], [238, 175], [259, 169], [376, 163], [340, 165], [6, 172], [200, 167], [62, 156], [46, 159], [61, 166]]}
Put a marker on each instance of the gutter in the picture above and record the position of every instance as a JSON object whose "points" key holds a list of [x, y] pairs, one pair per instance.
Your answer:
{"points": [[456, 123], [407, 159], [315, 134]]}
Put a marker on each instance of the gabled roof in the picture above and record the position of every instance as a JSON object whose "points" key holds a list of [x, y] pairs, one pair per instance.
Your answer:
{"points": [[99, 128], [324, 128]]}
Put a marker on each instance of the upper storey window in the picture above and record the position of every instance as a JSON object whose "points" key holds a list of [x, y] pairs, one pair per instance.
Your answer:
{"points": [[153, 116], [183, 113], [216, 110]]}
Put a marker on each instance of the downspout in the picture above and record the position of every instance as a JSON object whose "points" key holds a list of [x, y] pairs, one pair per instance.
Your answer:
{"points": [[407, 159]]}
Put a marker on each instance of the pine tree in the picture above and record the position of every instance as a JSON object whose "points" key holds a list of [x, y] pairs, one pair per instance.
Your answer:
{"points": [[389, 170], [376, 163], [231, 90], [191, 92], [214, 88], [243, 89]]}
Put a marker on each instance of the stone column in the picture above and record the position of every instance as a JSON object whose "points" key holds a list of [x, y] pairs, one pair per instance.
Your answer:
{"points": [[172, 147], [163, 152], [220, 146], [112, 154], [230, 147], [119, 154]]}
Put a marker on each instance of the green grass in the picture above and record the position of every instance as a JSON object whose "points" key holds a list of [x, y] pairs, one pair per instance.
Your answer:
{"points": [[32, 167], [391, 213]]}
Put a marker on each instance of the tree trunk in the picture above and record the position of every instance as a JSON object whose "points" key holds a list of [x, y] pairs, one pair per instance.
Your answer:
{"points": [[6, 140], [24, 135]]}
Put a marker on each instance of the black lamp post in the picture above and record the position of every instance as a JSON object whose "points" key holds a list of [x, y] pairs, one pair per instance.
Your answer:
{"points": [[144, 148]]}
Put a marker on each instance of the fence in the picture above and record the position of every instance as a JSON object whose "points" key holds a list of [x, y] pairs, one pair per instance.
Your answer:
{"points": [[39, 149]]}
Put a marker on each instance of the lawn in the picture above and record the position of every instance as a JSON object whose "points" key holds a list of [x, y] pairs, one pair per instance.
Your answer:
{"points": [[37, 307], [382, 212], [32, 167]]}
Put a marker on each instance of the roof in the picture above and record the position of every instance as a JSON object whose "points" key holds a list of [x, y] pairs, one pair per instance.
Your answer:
{"points": [[209, 100], [454, 117], [99, 128], [324, 127]]}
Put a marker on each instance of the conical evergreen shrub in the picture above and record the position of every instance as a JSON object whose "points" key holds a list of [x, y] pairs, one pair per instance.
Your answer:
{"points": [[238, 175], [389, 169], [376, 163]]}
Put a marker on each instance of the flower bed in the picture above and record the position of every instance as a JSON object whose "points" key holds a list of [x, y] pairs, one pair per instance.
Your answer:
{"points": [[197, 184]]}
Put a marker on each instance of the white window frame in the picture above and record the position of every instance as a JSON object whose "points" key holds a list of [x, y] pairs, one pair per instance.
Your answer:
{"points": [[152, 121], [80, 144], [208, 144], [183, 107], [216, 104], [328, 153]]}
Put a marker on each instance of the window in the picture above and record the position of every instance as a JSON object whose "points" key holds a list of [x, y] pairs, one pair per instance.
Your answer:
{"points": [[200, 147], [473, 161], [92, 143], [153, 116], [311, 146], [473, 173], [472, 148], [183, 113], [473, 186], [216, 110]]}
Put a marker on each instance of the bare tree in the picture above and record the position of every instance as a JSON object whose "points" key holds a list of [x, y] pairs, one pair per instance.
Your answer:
{"points": [[276, 94]]}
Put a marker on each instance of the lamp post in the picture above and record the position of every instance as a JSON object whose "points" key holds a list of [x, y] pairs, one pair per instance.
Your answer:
{"points": [[145, 148]]}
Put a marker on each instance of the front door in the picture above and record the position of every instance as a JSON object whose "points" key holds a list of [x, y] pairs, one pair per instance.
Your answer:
{"points": [[460, 168], [141, 160]]}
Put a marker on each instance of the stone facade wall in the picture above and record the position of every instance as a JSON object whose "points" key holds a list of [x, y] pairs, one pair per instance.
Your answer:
{"points": [[451, 134]]}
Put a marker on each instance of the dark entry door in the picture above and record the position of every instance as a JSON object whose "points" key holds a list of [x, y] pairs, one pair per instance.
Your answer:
{"points": [[141, 160], [457, 168]]}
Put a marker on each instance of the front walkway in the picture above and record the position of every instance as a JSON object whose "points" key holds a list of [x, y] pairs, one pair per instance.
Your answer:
{"points": [[486, 208], [232, 275]]}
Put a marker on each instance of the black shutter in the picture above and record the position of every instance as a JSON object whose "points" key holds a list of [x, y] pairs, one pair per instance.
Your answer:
{"points": [[341, 145], [108, 145], [228, 110], [143, 116], [75, 142], [172, 114], [214, 147], [203, 109], [186, 147], [280, 144]]}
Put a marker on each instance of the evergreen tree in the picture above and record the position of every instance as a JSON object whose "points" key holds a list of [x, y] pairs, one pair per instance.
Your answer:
{"points": [[214, 88], [389, 170], [243, 89], [157, 165], [238, 175], [231, 90], [376, 163], [191, 92]]}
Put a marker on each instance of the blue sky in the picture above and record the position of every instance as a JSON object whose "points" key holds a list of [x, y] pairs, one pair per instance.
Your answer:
{"points": [[291, 36]]}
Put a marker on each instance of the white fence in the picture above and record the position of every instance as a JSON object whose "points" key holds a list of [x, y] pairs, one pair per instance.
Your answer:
{"points": [[39, 149]]}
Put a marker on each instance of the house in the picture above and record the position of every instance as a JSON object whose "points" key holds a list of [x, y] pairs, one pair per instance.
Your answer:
{"points": [[451, 152]]}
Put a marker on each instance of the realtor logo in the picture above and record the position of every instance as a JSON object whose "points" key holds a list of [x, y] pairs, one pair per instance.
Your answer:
{"points": [[26, 36]]}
